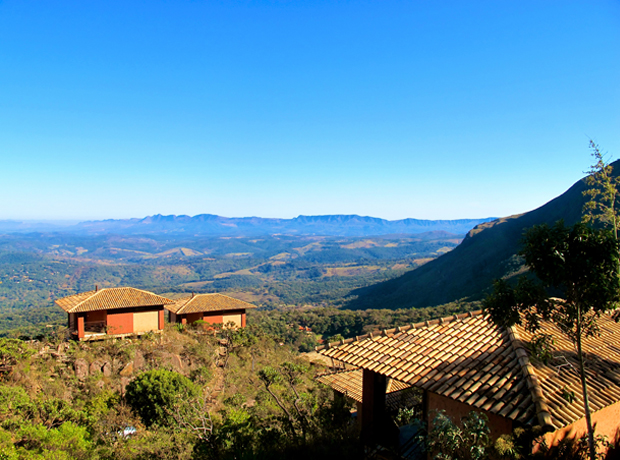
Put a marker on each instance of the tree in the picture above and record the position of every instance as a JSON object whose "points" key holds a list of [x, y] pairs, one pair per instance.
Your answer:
{"points": [[153, 394], [449, 441], [578, 263], [603, 205]]}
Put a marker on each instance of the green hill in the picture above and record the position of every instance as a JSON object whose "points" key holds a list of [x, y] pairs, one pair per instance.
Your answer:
{"points": [[487, 253]]}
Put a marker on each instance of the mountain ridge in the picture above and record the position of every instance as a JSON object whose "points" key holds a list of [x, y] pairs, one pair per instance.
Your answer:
{"points": [[351, 225], [487, 252]]}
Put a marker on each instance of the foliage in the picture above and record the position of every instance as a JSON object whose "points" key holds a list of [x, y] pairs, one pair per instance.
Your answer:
{"points": [[449, 441], [152, 394], [575, 449], [602, 205], [286, 324], [541, 348], [11, 350], [224, 413], [578, 263], [405, 416]]}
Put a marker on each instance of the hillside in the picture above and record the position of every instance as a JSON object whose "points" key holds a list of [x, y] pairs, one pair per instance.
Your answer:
{"points": [[488, 252], [183, 394]]}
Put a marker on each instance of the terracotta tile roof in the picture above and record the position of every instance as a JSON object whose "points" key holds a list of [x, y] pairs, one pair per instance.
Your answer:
{"points": [[110, 299], [466, 358], [349, 383], [207, 302], [561, 373]]}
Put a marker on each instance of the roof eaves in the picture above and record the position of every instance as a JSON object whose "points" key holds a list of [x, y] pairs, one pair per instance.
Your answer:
{"points": [[166, 300], [187, 302]]}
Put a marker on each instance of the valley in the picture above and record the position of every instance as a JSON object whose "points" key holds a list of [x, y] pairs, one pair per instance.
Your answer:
{"points": [[269, 271]]}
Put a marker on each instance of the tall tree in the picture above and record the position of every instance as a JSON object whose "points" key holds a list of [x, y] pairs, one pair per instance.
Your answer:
{"points": [[603, 205], [580, 264]]}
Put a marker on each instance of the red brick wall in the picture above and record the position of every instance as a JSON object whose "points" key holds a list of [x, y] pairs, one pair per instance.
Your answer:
{"points": [[457, 410], [212, 318], [120, 323]]}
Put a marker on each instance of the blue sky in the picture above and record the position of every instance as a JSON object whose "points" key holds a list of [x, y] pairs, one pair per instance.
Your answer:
{"points": [[394, 109]]}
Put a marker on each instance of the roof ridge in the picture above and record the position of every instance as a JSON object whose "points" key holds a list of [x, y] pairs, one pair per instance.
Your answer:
{"points": [[187, 301], [98, 291], [142, 290], [227, 296], [542, 409], [446, 319]]}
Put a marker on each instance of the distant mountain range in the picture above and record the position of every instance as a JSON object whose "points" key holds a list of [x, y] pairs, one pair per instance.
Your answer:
{"points": [[488, 252], [212, 225]]}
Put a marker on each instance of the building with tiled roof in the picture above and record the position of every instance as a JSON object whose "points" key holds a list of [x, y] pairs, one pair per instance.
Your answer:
{"points": [[113, 312], [348, 382], [466, 362], [211, 308]]}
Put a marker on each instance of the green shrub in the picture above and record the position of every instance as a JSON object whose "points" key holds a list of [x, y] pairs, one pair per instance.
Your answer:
{"points": [[153, 394]]}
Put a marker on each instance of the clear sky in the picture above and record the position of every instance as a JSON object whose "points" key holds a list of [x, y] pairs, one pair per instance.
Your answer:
{"points": [[393, 109]]}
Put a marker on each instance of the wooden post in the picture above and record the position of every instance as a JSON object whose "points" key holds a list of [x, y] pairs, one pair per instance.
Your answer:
{"points": [[80, 326], [373, 403]]}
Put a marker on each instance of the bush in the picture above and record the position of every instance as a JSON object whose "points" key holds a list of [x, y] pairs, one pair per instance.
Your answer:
{"points": [[153, 394]]}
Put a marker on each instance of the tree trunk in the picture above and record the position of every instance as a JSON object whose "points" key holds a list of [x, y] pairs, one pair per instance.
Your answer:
{"points": [[584, 389]]}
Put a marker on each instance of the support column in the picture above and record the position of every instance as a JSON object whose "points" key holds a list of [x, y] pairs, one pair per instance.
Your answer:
{"points": [[80, 326], [243, 319], [161, 319], [373, 403]]}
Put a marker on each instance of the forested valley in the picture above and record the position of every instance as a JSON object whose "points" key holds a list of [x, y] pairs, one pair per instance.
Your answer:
{"points": [[275, 272], [189, 393]]}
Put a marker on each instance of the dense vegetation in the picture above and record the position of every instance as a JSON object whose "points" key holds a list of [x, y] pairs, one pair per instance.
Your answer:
{"points": [[270, 271], [307, 327], [181, 395]]}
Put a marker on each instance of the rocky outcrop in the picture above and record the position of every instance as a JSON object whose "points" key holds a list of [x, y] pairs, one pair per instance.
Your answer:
{"points": [[95, 367], [127, 370], [81, 369], [138, 360]]}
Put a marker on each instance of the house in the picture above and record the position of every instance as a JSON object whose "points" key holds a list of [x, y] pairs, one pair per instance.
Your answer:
{"points": [[114, 312], [466, 362], [349, 383], [211, 308]]}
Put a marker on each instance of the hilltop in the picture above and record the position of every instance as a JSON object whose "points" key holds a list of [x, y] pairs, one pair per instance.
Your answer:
{"points": [[488, 252]]}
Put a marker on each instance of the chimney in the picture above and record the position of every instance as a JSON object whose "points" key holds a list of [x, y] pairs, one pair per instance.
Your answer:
{"points": [[96, 288]]}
